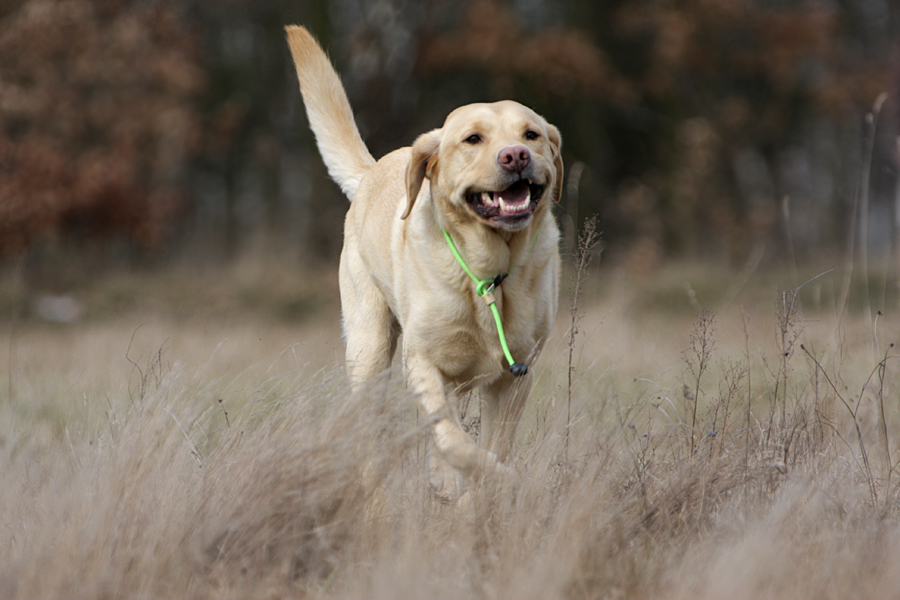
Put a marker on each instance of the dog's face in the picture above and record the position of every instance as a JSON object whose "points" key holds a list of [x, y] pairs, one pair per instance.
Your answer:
{"points": [[496, 163]]}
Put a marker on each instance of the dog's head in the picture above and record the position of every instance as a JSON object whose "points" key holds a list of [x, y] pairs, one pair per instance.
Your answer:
{"points": [[497, 163]]}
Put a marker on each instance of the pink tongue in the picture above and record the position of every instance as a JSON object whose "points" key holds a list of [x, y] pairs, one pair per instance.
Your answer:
{"points": [[517, 193]]}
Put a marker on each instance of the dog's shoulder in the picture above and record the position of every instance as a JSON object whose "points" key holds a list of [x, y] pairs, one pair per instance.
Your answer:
{"points": [[382, 191], [386, 180]]}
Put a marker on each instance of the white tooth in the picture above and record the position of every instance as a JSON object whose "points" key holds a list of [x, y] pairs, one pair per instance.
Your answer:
{"points": [[503, 205], [486, 198]]}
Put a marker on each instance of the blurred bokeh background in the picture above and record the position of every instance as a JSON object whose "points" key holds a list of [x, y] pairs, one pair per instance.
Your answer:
{"points": [[140, 132]]}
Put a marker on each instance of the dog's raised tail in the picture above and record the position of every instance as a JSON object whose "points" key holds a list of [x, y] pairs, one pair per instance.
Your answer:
{"points": [[330, 116]]}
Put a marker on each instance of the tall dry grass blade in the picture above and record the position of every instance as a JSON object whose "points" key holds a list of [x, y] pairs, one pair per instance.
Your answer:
{"points": [[861, 211], [872, 124]]}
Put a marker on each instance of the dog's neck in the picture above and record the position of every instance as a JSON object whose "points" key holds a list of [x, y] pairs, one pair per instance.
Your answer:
{"points": [[491, 252]]}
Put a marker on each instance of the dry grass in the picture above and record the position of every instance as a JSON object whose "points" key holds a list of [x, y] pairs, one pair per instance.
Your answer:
{"points": [[145, 455]]}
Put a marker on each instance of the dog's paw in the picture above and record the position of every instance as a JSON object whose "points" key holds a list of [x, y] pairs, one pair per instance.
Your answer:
{"points": [[446, 483], [505, 470]]}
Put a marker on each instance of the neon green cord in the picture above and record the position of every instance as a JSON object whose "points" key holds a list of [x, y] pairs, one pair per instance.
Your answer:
{"points": [[482, 287], [503, 345]]}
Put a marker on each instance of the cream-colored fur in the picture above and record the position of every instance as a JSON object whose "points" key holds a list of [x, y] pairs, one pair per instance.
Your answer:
{"points": [[397, 273]]}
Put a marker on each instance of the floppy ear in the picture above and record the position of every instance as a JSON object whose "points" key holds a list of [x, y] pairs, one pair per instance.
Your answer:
{"points": [[424, 156], [556, 141]]}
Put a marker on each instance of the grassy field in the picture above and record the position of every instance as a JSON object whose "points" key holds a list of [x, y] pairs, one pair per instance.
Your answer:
{"points": [[192, 435]]}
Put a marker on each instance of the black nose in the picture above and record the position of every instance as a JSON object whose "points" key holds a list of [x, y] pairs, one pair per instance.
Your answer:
{"points": [[514, 158]]}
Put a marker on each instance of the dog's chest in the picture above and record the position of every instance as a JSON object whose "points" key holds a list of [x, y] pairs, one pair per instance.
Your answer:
{"points": [[462, 335]]}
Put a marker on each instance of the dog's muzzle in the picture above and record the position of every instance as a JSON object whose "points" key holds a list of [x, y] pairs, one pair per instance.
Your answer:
{"points": [[514, 203]]}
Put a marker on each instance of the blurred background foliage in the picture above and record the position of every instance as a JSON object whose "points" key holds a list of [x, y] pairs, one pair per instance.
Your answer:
{"points": [[726, 130]]}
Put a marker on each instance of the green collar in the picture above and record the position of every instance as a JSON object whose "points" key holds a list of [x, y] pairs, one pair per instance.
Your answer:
{"points": [[484, 287]]}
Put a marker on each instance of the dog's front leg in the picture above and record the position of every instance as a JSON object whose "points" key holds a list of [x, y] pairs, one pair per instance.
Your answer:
{"points": [[454, 445]]}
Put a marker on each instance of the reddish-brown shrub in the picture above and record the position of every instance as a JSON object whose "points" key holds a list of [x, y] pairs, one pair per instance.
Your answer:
{"points": [[96, 119]]}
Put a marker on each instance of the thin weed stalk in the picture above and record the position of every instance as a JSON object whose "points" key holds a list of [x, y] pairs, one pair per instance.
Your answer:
{"points": [[870, 479], [880, 371], [584, 252], [698, 357], [789, 331], [745, 322]]}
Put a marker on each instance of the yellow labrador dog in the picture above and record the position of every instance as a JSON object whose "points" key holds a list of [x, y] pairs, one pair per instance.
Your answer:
{"points": [[451, 242]]}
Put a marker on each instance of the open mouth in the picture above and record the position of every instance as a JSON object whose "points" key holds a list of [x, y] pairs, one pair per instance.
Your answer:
{"points": [[515, 203]]}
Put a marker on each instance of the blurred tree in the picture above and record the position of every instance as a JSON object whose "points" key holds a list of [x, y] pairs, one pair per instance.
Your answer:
{"points": [[94, 128], [705, 127], [697, 117]]}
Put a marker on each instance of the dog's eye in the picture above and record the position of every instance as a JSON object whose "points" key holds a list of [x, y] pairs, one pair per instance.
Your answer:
{"points": [[473, 139], [531, 135]]}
